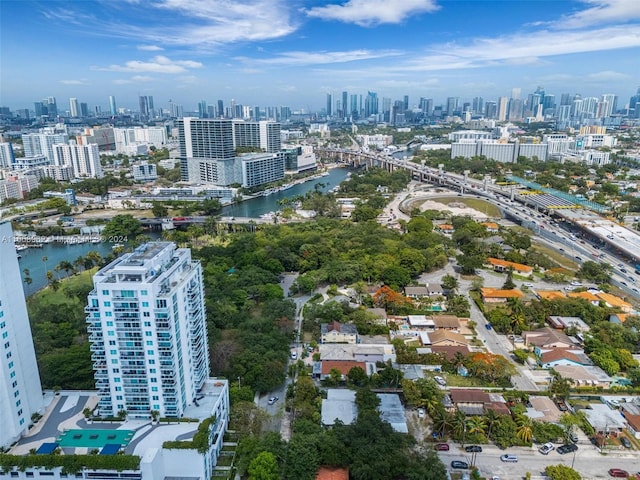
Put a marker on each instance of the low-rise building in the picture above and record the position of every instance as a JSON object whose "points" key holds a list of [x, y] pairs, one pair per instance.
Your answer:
{"points": [[547, 338], [505, 266], [588, 296], [613, 301], [496, 295], [446, 338], [563, 323], [336, 332], [584, 376]]}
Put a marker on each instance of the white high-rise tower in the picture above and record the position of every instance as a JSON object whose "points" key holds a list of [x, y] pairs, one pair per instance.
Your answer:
{"points": [[148, 333], [20, 391]]}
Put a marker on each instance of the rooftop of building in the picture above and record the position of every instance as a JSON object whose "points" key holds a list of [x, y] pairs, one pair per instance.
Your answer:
{"points": [[64, 424]]}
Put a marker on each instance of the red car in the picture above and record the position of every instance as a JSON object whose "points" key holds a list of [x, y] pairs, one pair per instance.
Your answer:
{"points": [[618, 473], [442, 447]]}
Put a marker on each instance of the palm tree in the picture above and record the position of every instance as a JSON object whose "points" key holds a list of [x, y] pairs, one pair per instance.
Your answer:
{"points": [[476, 425], [44, 260], [491, 419], [459, 425], [442, 421], [525, 430]]}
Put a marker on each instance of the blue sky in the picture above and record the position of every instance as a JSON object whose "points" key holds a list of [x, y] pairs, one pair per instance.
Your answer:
{"points": [[293, 52]]}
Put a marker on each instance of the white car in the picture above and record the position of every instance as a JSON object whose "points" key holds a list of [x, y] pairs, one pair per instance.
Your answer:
{"points": [[546, 448], [576, 283], [439, 380], [528, 285], [421, 413], [294, 355]]}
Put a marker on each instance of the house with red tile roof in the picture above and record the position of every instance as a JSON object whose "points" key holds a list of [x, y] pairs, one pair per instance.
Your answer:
{"points": [[332, 473], [504, 266], [496, 295]]}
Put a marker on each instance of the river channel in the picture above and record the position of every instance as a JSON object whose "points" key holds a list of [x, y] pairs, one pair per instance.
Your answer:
{"points": [[55, 252]]}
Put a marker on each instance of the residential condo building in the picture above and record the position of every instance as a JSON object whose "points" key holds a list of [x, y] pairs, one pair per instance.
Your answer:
{"points": [[20, 391], [148, 332]]}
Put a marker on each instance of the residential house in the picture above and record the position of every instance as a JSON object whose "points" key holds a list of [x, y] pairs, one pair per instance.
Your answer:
{"points": [[551, 358], [563, 323], [332, 473], [449, 352], [435, 290], [421, 322], [380, 315], [419, 292], [619, 318], [543, 409], [615, 302], [342, 366], [490, 226], [547, 338], [505, 266], [584, 375], [340, 404], [446, 322], [447, 338], [588, 296], [496, 295], [633, 425], [444, 228], [603, 419], [477, 402], [336, 332], [550, 295], [357, 352]]}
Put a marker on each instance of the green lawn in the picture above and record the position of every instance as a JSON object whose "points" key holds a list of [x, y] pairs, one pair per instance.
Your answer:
{"points": [[555, 256]]}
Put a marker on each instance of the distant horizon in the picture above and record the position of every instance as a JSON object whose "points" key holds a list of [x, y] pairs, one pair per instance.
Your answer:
{"points": [[293, 52]]}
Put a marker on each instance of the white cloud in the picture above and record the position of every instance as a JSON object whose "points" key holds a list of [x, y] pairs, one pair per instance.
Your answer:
{"points": [[512, 49], [134, 79], [319, 58], [428, 82], [206, 23], [158, 64], [601, 12], [150, 48], [75, 82], [367, 13], [607, 76]]}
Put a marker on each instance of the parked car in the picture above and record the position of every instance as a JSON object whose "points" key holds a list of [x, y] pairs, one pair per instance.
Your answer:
{"points": [[294, 355], [439, 380], [573, 436], [509, 458], [568, 448], [272, 400], [488, 326], [421, 413], [546, 448], [625, 442], [618, 473], [473, 448], [441, 447], [460, 465]]}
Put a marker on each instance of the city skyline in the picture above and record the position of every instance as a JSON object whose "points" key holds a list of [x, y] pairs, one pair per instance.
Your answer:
{"points": [[193, 51]]}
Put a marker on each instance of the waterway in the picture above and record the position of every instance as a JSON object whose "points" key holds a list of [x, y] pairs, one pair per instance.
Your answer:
{"points": [[260, 205], [31, 258], [55, 253]]}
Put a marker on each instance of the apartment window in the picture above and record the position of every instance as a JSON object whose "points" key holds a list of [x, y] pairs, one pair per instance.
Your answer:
{"points": [[105, 292], [18, 403], [115, 370], [114, 361], [29, 474], [152, 362], [7, 344], [20, 412], [107, 304], [143, 292], [154, 380], [156, 407], [127, 293], [9, 355], [149, 343], [152, 370], [147, 324], [154, 389], [16, 393], [112, 343], [10, 365], [14, 384], [146, 314], [94, 302], [3, 324], [145, 304], [12, 374], [22, 421], [109, 323], [148, 334], [155, 397], [108, 314], [111, 333], [116, 379], [118, 389], [150, 352], [118, 397], [113, 352]]}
